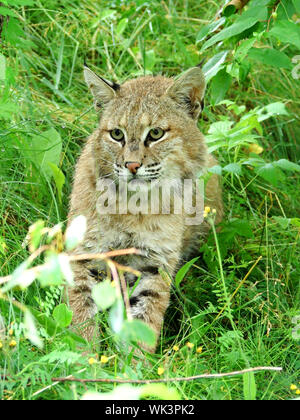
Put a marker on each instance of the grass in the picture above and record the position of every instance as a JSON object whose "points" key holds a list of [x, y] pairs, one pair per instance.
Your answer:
{"points": [[124, 40]]}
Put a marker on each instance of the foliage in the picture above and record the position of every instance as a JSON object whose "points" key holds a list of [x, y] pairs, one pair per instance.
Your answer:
{"points": [[237, 304]]}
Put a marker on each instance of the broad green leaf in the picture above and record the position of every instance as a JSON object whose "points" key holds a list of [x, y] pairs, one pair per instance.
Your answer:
{"points": [[2, 67], [219, 86], [62, 315], [104, 294], [287, 165], [244, 22], [4, 11], [183, 271], [31, 332], [243, 48], [270, 57], [59, 179], [240, 226], [52, 328], [44, 149], [211, 68], [233, 168], [270, 173], [208, 29], [286, 31], [150, 60], [121, 26], [296, 4], [138, 332], [217, 169], [75, 232], [249, 386], [274, 109]]}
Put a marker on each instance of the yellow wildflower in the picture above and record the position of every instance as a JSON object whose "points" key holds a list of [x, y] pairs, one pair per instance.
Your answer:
{"points": [[160, 370], [10, 332], [255, 148], [207, 209], [189, 345], [298, 392], [104, 359], [175, 348], [92, 361], [13, 343], [199, 349], [1, 345], [293, 387]]}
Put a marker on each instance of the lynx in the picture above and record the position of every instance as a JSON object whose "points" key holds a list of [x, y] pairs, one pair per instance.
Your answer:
{"points": [[147, 132]]}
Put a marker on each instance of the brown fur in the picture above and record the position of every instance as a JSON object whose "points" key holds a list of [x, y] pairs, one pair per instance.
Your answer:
{"points": [[166, 240]]}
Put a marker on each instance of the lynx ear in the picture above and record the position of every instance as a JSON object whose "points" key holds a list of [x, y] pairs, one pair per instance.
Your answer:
{"points": [[102, 89], [188, 91]]}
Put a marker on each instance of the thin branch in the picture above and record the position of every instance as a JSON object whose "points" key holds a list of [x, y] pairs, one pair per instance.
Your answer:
{"points": [[184, 379]]}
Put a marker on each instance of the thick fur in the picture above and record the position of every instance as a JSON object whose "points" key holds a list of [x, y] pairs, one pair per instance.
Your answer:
{"points": [[165, 239]]}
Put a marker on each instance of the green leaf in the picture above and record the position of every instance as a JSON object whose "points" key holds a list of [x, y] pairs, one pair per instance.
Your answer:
{"points": [[287, 165], [138, 332], [219, 86], [240, 227], [52, 328], [121, 26], [233, 168], [270, 173], [4, 11], [270, 57], [208, 29], [44, 149], [59, 179], [211, 68], [244, 22], [243, 49], [150, 60], [62, 315], [183, 271], [274, 109], [287, 32], [249, 386], [296, 4], [104, 294]]}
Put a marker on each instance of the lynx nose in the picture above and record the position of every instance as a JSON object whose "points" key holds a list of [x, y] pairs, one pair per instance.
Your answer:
{"points": [[133, 166]]}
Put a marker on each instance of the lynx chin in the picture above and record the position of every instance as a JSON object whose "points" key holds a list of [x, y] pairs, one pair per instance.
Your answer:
{"points": [[147, 135]]}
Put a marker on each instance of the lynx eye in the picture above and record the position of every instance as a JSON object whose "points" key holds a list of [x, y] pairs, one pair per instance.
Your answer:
{"points": [[117, 134], [155, 134]]}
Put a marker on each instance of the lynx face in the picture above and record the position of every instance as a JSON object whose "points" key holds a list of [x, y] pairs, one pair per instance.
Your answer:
{"points": [[148, 129]]}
